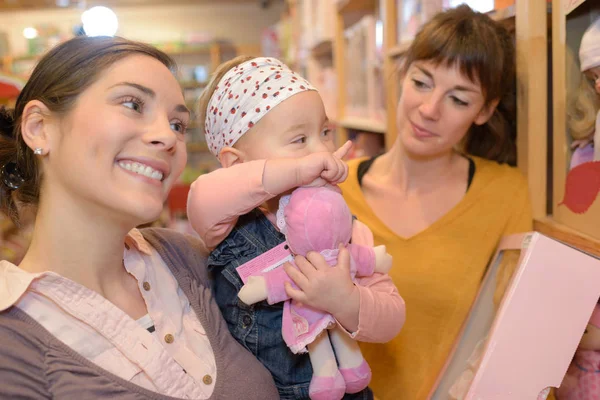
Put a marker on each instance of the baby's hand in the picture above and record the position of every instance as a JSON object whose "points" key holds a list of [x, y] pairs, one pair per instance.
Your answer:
{"points": [[319, 169], [322, 286]]}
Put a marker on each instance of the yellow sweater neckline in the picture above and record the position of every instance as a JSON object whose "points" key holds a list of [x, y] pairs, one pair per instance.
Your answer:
{"points": [[454, 212]]}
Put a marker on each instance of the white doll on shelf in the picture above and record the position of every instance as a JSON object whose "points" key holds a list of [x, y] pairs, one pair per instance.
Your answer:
{"points": [[583, 114]]}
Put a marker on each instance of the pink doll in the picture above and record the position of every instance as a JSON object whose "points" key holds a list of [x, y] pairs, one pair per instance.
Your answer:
{"points": [[582, 381], [318, 219], [583, 115]]}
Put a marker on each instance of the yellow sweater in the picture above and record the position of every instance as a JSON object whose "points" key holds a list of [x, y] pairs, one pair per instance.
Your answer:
{"points": [[438, 272]]}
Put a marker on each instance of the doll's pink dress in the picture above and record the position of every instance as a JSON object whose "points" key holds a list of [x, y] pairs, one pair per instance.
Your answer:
{"points": [[313, 219]]}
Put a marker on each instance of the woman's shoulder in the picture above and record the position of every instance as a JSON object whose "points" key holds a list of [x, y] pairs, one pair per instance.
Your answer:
{"points": [[352, 182], [355, 164], [23, 346], [501, 176], [183, 253], [170, 239]]}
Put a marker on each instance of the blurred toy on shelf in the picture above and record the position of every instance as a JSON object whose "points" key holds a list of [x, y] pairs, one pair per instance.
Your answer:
{"points": [[366, 144]]}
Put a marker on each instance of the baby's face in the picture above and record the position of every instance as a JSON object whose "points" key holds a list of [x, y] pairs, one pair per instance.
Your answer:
{"points": [[593, 74], [296, 127]]}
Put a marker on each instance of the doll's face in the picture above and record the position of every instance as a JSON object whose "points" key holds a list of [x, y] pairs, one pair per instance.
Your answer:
{"points": [[317, 219], [591, 338], [593, 74]]}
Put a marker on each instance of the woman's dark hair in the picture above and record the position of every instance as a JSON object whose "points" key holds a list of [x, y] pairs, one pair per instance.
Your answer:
{"points": [[484, 51], [59, 78]]}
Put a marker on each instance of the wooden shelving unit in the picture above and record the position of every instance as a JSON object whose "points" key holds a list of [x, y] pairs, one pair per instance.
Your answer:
{"points": [[356, 32], [569, 21], [398, 50], [193, 85], [210, 55], [533, 23], [360, 6], [323, 48], [198, 147], [361, 124]]}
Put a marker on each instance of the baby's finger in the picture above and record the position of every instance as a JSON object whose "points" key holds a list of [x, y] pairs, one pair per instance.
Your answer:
{"points": [[343, 151], [305, 266], [295, 294], [298, 277], [343, 260], [342, 172], [317, 260], [334, 170], [317, 183]]}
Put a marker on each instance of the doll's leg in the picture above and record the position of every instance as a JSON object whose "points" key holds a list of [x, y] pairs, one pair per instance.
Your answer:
{"points": [[353, 366], [327, 383]]}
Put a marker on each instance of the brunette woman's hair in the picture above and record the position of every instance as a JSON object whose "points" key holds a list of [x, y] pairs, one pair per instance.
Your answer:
{"points": [[63, 74], [484, 52]]}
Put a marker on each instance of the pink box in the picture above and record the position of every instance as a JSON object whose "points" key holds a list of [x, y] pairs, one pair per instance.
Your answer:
{"points": [[527, 345]]}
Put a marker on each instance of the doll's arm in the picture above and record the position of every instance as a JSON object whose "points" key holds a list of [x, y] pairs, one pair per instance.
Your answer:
{"points": [[362, 259], [362, 235], [268, 286], [382, 311], [368, 260]]}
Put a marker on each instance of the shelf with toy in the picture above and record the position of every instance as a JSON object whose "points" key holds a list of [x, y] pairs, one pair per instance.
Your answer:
{"points": [[317, 17], [315, 48], [576, 122]]}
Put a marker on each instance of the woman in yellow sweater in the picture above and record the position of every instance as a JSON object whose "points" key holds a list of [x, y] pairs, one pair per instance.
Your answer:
{"points": [[440, 199]]}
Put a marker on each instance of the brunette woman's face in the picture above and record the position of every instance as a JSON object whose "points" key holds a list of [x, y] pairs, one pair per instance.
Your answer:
{"points": [[437, 107], [118, 152]]}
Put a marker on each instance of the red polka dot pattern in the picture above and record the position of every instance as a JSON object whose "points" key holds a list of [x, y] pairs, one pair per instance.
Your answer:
{"points": [[245, 101]]}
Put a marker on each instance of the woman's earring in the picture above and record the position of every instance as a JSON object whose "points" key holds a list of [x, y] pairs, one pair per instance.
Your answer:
{"points": [[38, 151]]}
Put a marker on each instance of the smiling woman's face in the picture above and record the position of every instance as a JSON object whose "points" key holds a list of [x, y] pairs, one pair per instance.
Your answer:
{"points": [[118, 152], [437, 108]]}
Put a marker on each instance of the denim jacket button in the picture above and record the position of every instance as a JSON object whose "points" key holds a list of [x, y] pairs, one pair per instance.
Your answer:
{"points": [[246, 320]]}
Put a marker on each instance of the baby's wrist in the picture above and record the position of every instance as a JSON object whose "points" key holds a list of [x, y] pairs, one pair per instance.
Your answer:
{"points": [[279, 176], [348, 305]]}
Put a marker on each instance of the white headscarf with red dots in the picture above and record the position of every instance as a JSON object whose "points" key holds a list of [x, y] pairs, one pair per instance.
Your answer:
{"points": [[244, 95]]}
